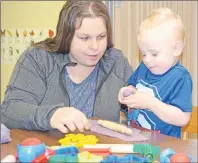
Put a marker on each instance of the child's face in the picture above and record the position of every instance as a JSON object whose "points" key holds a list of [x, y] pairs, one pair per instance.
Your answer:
{"points": [[157, 50]]}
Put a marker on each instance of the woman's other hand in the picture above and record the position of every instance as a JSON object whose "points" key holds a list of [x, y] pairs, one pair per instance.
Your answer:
{"points": [[69, 118]]}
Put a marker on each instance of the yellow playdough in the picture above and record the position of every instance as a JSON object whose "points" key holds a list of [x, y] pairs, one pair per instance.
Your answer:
{"points": [[88, 157], [78, 140]]}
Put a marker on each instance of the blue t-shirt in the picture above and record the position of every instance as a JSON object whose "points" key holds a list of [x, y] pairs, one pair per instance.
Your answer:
{"points": [[174, 87], [82, 95]]}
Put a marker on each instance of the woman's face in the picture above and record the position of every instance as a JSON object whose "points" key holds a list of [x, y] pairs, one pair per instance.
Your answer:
{"points": [[89, 42]]}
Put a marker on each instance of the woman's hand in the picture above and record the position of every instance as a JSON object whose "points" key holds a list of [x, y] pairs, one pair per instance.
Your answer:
{"points": [[69, 118]]}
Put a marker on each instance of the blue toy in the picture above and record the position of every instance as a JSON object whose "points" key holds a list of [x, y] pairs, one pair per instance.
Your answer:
{"points": [[166, 154], [71, 150], [35, 151], [29, 152], [125, 159], [61, 154]]}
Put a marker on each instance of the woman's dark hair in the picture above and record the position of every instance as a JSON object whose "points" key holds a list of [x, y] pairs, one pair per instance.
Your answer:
{"points": [[72, 13]]}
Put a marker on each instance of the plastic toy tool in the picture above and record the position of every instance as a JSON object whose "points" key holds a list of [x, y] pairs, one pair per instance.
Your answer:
{"points": [[125, 159], [32, 150], [89, 157], [61, 154], [148, 151], [170, 156], [63, 159], [29, 149]]}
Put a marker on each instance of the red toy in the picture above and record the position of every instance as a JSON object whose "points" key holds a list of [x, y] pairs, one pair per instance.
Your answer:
{"points": [[101, 151], [180, 158], [44, 157], [30, 141]]}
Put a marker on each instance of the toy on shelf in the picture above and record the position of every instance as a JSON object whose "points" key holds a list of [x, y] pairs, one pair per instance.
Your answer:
{"points": [[148, 151], [78, 140], [170, 156], [116, 127]]}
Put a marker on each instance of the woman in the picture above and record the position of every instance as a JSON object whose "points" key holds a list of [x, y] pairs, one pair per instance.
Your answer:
{"points": [[60, 82]]}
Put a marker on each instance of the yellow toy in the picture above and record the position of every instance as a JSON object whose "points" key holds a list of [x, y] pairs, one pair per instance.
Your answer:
{"points": [[88, 157], [78, 140]]}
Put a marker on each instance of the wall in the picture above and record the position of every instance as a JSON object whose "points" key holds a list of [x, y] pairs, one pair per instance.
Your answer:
{"points": [[26, 14]]}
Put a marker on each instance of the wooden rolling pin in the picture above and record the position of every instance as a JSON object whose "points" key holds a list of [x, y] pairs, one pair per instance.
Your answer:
{"points": [[116, 127]]}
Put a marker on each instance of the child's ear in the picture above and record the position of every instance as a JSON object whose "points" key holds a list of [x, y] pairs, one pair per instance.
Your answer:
{"points": [[178, 48]]}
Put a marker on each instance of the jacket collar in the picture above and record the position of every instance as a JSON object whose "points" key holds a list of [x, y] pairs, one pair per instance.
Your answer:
{"points": [[106, 62]]}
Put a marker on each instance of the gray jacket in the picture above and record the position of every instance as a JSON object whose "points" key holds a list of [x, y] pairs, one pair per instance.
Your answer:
{"points": [[37, 88]]}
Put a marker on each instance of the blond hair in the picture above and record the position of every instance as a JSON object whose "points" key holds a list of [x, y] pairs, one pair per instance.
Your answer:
{"points": [[165, 17]]}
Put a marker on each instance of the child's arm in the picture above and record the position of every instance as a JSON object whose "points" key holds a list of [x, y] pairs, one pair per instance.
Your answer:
{"points": [[177, 112], [169, 113]]}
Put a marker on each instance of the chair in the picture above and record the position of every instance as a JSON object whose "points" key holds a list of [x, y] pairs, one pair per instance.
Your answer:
{"points": [[191, 128]]}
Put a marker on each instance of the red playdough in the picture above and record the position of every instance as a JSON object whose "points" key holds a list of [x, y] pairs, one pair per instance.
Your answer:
{"points": [[30, 141], [180, 158]]}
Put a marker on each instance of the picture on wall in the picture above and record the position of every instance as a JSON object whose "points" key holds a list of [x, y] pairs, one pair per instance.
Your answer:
{"points": [[15, 41]]}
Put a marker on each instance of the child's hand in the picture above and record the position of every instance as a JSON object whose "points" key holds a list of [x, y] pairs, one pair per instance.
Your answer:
{"points": [[120, 95], [69, 118], [125, 92], [139, 100]]}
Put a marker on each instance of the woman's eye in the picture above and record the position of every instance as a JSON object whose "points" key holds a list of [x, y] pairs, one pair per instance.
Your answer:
{"points": [[101, 37], [84, 38], [155, 54]]}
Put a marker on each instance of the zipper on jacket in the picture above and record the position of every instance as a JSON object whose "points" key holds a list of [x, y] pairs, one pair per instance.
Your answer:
{"points": [[104, 77], [63, 82]]}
